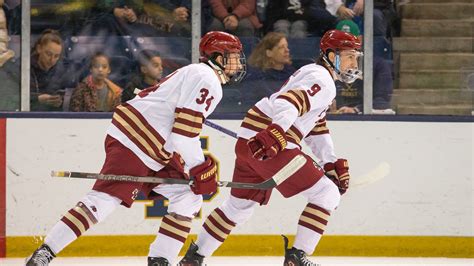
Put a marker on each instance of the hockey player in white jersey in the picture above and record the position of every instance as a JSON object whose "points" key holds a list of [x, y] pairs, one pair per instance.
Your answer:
{"points": [[270, 137], [157, 134]]}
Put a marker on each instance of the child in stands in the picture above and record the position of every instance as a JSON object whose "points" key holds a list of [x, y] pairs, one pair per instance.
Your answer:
{"points": [[151, 71], [96, 93]]}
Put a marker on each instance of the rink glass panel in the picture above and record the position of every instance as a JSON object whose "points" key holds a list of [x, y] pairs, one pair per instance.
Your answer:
{"points": [[10, 63]]}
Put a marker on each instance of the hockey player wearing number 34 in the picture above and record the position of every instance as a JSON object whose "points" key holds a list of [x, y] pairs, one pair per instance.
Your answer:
{"points": [[270, 137], [157, 134]]}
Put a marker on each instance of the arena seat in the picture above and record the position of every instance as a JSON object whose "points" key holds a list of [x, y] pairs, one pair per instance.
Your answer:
{"points": [[168, 47], [79, 48]]}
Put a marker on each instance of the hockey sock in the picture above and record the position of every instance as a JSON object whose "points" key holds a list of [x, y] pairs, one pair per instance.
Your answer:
{"points": [[311, 227], [72, 225], [216, 229], [170, 239]]}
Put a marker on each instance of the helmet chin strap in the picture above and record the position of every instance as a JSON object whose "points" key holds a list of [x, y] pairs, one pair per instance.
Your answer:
{"points": [[223, 78], [334, 67]]}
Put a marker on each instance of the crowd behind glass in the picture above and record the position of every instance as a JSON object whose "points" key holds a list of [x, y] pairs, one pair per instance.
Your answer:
{"points": [[89, 56]]}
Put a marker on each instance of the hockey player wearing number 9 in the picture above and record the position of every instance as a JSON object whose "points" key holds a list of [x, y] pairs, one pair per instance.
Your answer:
{"points": [[270, 136], [157, 134]]}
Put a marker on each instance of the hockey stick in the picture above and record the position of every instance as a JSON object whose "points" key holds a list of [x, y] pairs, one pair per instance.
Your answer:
{"points": [[294, 165], [221, 129], [381, 171], [376, 174]]}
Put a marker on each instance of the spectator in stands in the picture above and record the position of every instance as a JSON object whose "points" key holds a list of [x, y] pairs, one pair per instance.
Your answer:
{"points": [[121, 17], [9, 71], [289, 17], [5, 53], [48, 75], [349, 97], [384, 15], [237, 17], [144, 18], [324, 15], [12, 9], [178, 16], [96, 93], [269, 67], [151, 70]]}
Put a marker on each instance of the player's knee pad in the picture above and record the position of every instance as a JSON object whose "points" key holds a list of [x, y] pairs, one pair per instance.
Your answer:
{"points": [[324, 194], [238, 210], [99, 204], [187, 204]]}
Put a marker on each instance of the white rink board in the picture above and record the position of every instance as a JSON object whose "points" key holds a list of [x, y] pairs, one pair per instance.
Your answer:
{"points": [[429, 190]]}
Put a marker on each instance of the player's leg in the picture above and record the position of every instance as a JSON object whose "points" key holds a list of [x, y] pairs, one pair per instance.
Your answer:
{"points": [[235, 210], [90, 210], [218, 225], [96, 205], [323, 198], [183, 206]]}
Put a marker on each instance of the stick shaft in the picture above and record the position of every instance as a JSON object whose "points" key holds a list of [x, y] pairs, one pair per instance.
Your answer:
{"points": [[294, 165], [220, 128]]}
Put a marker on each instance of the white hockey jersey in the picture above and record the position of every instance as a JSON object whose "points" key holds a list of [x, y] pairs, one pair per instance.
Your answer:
{"points": [[299, 108], [168, 117]]}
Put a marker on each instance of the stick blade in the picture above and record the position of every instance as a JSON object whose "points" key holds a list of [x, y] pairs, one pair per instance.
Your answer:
{"points": [[60, 174]]}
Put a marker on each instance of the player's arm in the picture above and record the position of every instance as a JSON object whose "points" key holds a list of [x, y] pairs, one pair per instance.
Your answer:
{"points": [[320, 142], [196, 103], [288, 106]]}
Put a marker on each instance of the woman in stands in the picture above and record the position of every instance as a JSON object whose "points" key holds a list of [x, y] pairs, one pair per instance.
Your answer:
{"points": [[270, 66], [48, 75]]}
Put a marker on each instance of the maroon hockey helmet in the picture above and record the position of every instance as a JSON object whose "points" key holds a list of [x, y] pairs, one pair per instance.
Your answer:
{"points": [[219, 42], [215, 43], [337, 40]]}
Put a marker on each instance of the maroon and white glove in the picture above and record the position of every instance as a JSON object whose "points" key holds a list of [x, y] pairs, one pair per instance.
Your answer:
{"points": [[338, 172], [205, 177], [267, 143]]}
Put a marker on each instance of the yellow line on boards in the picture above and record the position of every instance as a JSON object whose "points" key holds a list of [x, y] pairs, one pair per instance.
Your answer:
{"points": [[265, 245]]}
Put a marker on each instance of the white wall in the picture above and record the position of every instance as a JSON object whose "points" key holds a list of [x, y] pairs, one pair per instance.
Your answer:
{"points": [[428, 190]]}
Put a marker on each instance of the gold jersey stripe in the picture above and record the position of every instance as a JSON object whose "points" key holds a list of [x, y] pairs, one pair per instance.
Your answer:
{"points": [[187, 128], [215, 229], [83, 213], [302, 100], [142, 127], [137, 136], [76, 222], [174, 230], [189, 117], [223, 223], [293, 135], [318, 213], [254, 123], [313, 222], [253, 112], [180, 222], [293, 100]]}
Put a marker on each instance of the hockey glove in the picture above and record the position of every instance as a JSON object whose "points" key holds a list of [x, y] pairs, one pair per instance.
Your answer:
{"points": [[205, 177], [267, 143], [338, 172]]}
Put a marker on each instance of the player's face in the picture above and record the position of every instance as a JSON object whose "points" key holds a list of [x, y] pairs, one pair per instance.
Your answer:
{"points": [[349, 60], [233, 64]]}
